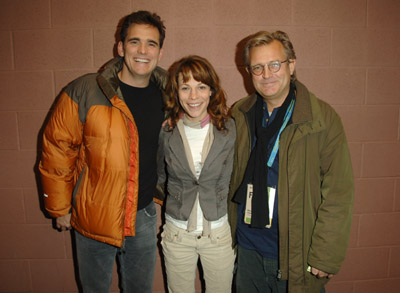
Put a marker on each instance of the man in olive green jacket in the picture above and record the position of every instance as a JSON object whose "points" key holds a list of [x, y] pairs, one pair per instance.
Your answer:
{"points": [[302, 242]]}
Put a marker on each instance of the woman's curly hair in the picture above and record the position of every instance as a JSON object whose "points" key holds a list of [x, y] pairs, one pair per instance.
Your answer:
{"points": [[202, 71]]}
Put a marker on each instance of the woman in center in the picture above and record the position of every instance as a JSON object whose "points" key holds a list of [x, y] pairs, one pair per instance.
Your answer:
{"points": [[195, 161]]}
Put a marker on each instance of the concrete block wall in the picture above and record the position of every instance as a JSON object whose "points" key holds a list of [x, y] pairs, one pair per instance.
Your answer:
{"points": [[348, 54]]}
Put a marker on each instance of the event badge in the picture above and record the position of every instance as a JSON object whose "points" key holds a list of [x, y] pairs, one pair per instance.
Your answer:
{"points": [[249, 197], [271, 202]]}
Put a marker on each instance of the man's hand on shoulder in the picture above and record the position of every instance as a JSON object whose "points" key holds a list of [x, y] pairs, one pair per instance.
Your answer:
{"points": [[63, 223], [320, 274]]}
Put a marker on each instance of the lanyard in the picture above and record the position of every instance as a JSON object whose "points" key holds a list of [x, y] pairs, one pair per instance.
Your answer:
{"points": [[275, 149]]}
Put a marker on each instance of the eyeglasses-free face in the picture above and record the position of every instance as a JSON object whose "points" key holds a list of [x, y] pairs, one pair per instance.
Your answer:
{"points": [[141, 52], [194, 97]]}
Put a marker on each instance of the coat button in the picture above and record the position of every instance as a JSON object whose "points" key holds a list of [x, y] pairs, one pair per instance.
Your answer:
{"points": [[199, 237]]}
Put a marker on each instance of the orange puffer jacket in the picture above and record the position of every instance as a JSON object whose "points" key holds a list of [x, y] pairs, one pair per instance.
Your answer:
{"points": [[90, 157]]}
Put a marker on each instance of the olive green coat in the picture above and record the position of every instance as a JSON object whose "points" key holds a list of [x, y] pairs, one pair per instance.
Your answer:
{"points": [[315, 188]]}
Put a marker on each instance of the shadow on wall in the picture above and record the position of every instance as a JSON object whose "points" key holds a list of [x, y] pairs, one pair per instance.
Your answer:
{"points": [[241, 67], [41, 130], [39, 147], [40, 192]]}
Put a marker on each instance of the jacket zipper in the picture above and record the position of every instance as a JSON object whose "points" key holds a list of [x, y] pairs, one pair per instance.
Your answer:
{"points": [[127, 186]]}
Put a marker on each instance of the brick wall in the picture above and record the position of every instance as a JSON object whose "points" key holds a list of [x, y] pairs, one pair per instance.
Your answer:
{"points": [[348, 54]]}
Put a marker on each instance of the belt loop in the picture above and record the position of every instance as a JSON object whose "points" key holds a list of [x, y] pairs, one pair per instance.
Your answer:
{"points": [[213, 237]]}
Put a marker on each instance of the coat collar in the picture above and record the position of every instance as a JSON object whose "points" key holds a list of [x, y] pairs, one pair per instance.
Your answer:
{"points": [[109, 83], [306, 112], [302, 110]]}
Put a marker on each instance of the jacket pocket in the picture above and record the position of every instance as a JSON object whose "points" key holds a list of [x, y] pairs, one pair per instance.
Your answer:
{"points": [[222, 236], [174, 191], [79, 186], [169, 234], [222, 193], [150, 211]]}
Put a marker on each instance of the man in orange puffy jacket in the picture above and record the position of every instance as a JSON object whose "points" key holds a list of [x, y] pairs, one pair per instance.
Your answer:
{"points": [[98, 164]]}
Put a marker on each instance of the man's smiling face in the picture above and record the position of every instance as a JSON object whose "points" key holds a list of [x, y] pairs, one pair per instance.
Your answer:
{"points": [[141, 52]]}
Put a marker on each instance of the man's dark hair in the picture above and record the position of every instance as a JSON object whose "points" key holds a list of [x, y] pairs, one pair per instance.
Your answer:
{"points": [[143, 17]]}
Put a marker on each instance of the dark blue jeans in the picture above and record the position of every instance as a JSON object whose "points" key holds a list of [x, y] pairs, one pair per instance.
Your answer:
{"points": [[137, 258], [256, 273]]}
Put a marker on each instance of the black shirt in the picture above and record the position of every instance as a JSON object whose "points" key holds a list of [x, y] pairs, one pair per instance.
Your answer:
{"points": [[146, 106]]}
